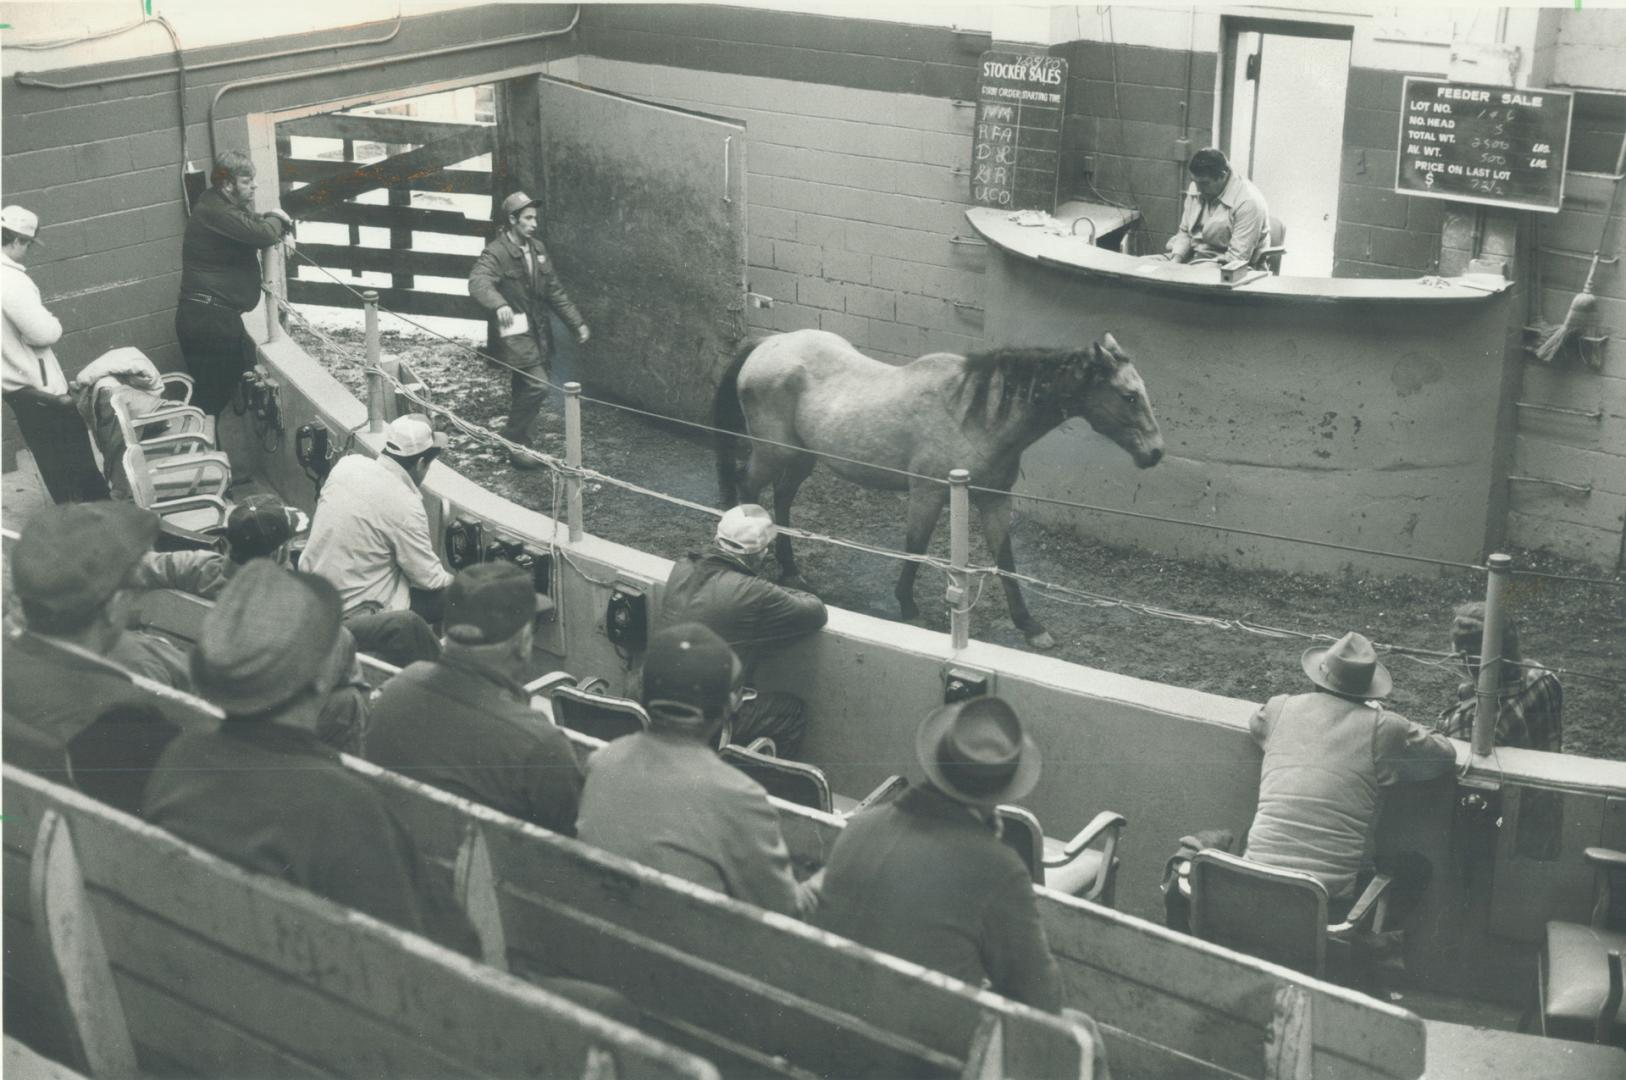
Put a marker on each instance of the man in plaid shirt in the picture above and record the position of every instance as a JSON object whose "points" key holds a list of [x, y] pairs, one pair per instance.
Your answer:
{"points": [[1532, 714]]}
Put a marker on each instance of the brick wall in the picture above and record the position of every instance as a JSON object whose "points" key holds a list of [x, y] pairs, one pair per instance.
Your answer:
{"points": [[1380, 233]]}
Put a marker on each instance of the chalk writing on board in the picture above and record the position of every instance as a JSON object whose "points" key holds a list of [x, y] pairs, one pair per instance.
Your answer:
{"points": [[1484, 144], [1016, 143]]}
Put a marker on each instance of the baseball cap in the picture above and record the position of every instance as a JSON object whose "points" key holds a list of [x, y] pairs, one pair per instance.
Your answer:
{"points": [[20, 221], [412, 434], [745, 530], [688, 673], [271, 633], [517, 202], [72, 558], [260, 524], [490, 602]]}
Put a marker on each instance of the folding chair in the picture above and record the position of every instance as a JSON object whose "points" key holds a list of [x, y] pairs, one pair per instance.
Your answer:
{"points": [[602, 716], [793, 781], [187, 491], [1578, 980]]}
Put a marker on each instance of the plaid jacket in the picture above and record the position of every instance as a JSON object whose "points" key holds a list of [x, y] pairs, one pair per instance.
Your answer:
{"points": [[1532, 713]]}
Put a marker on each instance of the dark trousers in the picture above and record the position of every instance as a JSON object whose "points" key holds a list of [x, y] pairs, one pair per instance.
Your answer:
{"points": [[395, 637], [57, 438], [773, 715], [216, 350], [527, 386]]}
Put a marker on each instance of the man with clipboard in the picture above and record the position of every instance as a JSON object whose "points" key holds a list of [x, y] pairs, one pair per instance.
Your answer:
{"points": [[515, 281]]}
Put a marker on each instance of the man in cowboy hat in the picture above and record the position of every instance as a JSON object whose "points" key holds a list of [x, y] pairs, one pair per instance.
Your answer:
{"points": [[724, 590], [926, 877], [664, 798], [516, 282], [1328, 756]]}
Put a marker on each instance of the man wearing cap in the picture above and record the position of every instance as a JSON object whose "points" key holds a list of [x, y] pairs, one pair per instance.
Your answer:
{"points": [[1328, 756], [72, 570], [464, 723], [263, 791], [33, 382], [1531, 712], [664, 798], [925, 877], [516, 282], [370, 539], [220, 279], [724, 590]]}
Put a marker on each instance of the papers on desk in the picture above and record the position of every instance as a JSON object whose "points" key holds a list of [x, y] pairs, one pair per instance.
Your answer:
{"points": [[520, 325]]}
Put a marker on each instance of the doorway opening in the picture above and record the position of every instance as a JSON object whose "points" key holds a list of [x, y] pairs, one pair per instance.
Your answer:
{"points": [[1282, 126]]}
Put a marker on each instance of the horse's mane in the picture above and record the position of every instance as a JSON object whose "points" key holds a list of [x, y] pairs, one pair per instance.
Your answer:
{"points": [[1013, 374]]}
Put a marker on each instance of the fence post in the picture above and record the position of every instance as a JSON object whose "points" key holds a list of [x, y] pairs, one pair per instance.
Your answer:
{"points": [[573, 458], [271, 271], [959, 556], [1488, 704], [375, 379]]}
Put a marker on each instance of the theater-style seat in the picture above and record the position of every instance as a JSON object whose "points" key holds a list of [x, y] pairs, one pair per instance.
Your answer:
{"points": [[1073, 867], [793, 781], [603, 716], [1579, 980]]}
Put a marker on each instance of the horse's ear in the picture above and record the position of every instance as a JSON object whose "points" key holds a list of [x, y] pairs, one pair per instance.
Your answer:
{"points": [[1110, 342]]}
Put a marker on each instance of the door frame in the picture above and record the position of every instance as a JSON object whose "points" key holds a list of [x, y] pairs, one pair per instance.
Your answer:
{"points": [[1233, 25]]}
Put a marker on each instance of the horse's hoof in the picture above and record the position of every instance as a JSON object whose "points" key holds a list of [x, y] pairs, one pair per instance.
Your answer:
{"points": [[1042, 640]]}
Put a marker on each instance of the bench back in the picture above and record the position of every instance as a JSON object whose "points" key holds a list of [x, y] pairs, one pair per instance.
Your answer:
{"points": [[225, 973]]}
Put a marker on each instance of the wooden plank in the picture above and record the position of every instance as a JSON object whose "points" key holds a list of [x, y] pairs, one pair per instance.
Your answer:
{"points": [[77, 977], [484, 1020], [379, 129], [416, 218], [389, 260], [475, 886], [425, 164], [173, 1035], [316, 173], [411, 302], [1290, 1053], [21, 1063]]}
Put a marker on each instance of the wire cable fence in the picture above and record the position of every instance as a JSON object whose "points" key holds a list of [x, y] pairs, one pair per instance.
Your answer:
{"points": [[560, 469]]}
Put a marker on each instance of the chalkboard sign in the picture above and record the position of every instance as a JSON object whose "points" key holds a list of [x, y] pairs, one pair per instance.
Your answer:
{"points": [[1016, 145], [1500, 145]]}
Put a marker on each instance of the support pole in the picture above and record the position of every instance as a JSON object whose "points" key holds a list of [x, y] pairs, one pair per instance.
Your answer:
{"points": [[271, 271], [1488, 704], [375, 380], [573, 458], [959, 556]]}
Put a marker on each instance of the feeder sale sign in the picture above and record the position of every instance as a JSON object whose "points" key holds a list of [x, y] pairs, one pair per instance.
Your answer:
{"points": [[1016, 143], [1498, 145]]}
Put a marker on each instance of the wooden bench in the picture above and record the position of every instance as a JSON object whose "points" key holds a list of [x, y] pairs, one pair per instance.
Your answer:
{"points": [[159, 956]]}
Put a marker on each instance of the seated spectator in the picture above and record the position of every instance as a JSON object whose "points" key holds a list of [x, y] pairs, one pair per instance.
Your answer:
{"points": [[1224, 219], [724, 591], [71, 572], [371, 540], [1532, 712], [1328, 756], [262, 527], [263, 791], [926, 877], [464, 722], [663, 797]]}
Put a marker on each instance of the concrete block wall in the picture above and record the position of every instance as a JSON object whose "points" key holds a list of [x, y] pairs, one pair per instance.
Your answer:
{"points": [[1380, 233]]}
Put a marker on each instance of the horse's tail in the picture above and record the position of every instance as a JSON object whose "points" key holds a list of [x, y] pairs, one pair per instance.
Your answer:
{"points": [[728, 418]]}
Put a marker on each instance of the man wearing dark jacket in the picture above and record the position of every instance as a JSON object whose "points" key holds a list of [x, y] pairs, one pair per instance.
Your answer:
{"points": [[220, 279], [464, 723], [514, 280], [724, 591]]}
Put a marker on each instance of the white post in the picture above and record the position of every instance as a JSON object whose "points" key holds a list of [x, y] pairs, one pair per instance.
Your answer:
{"points": [[375, 380], [573, 458], [271, 271], [959, 556], [1488, 706]]}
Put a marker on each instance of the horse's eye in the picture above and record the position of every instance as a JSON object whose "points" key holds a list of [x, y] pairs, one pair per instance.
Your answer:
{"points": [[1130, 397]]}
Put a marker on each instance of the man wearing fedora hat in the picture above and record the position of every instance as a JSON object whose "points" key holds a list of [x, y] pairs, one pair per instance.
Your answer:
{"points": [[33, 382], [263, 791], [1328, 755], [925, 877], [516, 282], [664, 798]]}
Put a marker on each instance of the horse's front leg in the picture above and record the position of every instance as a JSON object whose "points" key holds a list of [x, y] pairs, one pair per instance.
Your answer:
{"points": [[926, 502], [996, 529]]}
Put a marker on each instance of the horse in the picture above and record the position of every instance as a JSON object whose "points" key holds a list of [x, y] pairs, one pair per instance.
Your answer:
{"points": [[809, 392]]}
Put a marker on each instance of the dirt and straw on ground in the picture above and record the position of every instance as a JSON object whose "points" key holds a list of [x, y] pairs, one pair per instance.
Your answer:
{"points": [[1564, 625]]}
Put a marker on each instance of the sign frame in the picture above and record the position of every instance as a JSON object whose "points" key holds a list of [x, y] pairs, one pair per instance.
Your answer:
{"points": [[1040, 70], [1480, 200]]}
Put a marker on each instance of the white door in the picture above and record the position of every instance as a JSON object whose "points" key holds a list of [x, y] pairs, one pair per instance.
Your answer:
{"points": [[1287, 133]]}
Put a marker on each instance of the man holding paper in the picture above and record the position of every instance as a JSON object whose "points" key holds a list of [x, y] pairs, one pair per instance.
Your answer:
{"points": [[515, 280]]}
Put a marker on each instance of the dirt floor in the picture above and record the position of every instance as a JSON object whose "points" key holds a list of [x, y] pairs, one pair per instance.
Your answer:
{"points": [[1564, 625]]}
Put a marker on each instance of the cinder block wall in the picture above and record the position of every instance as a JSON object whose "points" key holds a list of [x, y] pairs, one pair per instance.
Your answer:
{"points": [[1380, 233]]}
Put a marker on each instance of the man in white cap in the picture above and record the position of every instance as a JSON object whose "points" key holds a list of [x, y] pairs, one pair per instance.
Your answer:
{"points": [[516, 282], [34, 384], [724, 590], [370, 538], [1328, 756]]}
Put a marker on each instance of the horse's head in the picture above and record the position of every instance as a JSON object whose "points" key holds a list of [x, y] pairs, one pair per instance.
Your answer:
{"points": [[1105, 389]]}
